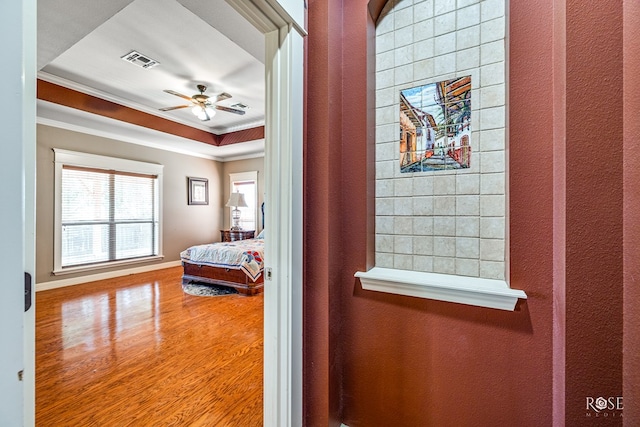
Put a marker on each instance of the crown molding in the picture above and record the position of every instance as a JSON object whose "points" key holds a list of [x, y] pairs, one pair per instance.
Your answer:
{"points": [[68, 84]]}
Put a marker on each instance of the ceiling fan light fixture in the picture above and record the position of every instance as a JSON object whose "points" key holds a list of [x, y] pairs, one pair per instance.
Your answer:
{"points": [[202, 107], [203, 113]]}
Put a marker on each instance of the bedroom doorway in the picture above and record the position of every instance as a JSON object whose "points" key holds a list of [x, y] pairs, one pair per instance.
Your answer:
{"points": [[283, 216]]}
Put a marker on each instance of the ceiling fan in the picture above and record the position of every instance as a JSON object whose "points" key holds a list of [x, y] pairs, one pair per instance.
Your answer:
{"points": [[203, 108]]}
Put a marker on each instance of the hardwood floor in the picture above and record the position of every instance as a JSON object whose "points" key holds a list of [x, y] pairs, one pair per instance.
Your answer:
{"points": [[137, 351]]}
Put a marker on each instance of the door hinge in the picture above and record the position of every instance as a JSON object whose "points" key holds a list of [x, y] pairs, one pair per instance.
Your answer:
{"points": [[267, 273]]}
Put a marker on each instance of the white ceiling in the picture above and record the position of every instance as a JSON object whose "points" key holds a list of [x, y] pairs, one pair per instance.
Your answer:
{"points": [[80, 45]]}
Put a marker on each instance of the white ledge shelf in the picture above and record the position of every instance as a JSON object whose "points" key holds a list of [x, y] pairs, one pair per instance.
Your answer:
{"points": [[442, 287]]}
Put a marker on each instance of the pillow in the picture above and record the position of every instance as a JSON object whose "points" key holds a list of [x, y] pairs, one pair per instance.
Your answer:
{"points": [[260, 235]]}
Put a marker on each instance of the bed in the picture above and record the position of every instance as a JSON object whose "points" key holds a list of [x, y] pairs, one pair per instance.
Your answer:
{"points": [[237, 264]]}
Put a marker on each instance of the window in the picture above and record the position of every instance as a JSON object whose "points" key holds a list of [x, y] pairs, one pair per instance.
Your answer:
{"points": [[246, 183], [107, 211]]}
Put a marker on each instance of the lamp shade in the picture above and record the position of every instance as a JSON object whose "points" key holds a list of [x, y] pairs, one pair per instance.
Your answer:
{"points": [[236, 200]]}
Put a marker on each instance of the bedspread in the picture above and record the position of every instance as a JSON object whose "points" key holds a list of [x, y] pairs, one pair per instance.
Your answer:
{"points": [[245, 255]]}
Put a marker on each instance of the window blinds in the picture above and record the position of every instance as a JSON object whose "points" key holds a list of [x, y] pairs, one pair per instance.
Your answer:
{"points": [[107, 215]]}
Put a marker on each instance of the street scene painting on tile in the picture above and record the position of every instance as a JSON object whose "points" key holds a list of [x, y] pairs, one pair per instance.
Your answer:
{"points": [[435, 126]]}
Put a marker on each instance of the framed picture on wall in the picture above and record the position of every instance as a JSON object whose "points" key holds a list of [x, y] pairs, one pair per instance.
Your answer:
{"points": [[198, 189]]}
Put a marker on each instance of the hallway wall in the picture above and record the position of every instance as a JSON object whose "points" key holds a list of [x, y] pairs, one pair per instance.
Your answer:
{"points": [[373, 359]]}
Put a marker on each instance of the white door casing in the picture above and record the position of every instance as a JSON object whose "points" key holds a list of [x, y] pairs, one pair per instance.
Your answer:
{"points": [[283, 206], [17, 215], [283, 234]]}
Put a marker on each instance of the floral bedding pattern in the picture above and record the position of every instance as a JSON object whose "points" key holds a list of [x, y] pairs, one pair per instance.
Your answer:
{"points": [[245, 255]]}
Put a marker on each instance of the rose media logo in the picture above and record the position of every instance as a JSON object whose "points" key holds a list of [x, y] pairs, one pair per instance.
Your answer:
{"points": [[604, 407]]}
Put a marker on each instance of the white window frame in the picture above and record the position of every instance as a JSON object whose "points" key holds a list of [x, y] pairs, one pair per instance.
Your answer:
{"points": [[74, 158], [243, 177]]}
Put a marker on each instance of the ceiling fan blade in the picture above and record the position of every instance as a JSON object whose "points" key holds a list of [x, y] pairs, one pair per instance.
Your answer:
{"points": [[223, 96], [174, 108], [173, 92], [230, 110]]}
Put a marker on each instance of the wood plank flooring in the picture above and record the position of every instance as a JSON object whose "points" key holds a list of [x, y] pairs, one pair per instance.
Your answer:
{"points": [[137, 351]]}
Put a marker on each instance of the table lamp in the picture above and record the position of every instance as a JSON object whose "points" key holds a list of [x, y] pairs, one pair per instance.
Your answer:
{"points": [[236, 200]]}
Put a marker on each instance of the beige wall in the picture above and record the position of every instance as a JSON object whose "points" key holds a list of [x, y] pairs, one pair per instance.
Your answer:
{"points": [[238, 166], [183, 225]]}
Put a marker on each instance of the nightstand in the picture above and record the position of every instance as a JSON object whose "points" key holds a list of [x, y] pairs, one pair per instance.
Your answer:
{"points": [[233, 235]]}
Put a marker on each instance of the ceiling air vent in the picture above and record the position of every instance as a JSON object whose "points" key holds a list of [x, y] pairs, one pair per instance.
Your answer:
{"points": [[240, 106], [140, 60]]}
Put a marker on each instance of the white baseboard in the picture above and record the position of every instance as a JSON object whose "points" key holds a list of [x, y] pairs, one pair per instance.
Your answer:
{"points": [[102, 276]]}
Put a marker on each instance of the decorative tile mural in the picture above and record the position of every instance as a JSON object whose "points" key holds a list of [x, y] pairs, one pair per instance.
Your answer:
{"points": [[441, 177], [435, 126]]}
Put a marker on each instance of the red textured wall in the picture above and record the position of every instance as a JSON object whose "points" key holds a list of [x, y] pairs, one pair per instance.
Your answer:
{"points": [[558, 80], [631, 216], [400, 361], [322, 214], [594, 182]]}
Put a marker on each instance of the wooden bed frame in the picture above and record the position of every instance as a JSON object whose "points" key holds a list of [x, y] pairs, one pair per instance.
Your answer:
{"points": [[222, 276]]}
